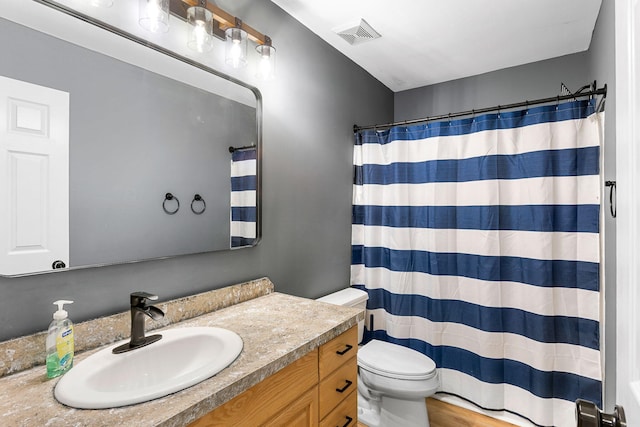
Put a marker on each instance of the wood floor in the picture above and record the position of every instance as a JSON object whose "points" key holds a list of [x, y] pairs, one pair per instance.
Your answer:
{"points": [[443, 414]]}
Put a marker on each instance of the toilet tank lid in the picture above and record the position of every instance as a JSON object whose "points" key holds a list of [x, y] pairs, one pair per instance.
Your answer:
{"points": [[346, 297]]}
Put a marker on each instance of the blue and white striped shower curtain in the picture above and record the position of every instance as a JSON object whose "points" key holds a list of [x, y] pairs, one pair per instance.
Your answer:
{"points": [[478, 243], [243, 198]]}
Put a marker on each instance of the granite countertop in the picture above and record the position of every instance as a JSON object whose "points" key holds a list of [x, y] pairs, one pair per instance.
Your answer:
{"points": [[277, 329]]}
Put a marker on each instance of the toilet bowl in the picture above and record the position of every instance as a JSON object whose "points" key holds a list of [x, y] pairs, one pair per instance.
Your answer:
{"points": [[393, 381]]}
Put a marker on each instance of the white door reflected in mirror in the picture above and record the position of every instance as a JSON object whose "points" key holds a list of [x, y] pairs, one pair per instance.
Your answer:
{"points": [[34, 145]]}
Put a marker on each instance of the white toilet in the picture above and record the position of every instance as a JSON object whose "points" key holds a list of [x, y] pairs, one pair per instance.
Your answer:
{"points": [[393, 381]]}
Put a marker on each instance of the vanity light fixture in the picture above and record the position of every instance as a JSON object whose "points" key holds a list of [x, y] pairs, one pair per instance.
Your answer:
{"points": [[233, 32], [154, 15], [236, 45], [200, 28]]}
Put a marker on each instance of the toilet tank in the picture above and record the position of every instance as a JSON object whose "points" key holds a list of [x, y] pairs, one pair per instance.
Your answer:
{"points": [[349, 297]]}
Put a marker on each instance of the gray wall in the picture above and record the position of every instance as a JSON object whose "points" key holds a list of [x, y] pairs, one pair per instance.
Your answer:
{"points": [[510, 85], [309, 111], [539, 80]]}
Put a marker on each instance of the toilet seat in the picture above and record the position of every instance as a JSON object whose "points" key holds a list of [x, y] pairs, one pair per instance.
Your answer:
{"points": [[395, 361]]}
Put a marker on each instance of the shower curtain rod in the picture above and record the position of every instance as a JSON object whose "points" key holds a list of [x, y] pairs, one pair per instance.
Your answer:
{"points": [[579, 94]]}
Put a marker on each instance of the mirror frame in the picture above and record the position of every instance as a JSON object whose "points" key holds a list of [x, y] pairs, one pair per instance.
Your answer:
{"points": [[259, 112]]}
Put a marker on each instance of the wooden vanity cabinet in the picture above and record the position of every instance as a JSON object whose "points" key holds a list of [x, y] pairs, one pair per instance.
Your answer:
{"points": [[338, 373], [317, 389]]}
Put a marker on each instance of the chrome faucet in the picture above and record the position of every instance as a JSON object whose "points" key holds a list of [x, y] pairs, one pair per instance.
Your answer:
{"points": [[139, 311]]}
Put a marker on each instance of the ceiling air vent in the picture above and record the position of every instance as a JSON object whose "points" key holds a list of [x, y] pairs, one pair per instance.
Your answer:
{"points": [[359, 33]]}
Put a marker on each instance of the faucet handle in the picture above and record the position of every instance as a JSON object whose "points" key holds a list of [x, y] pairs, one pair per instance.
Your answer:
{"points": [[140, 297]]}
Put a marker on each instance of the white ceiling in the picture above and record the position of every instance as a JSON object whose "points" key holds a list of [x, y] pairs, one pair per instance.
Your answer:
{"points": [[431, 41]]}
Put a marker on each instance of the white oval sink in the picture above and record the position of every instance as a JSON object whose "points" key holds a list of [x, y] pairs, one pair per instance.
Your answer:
{"points": [[182, 358]]}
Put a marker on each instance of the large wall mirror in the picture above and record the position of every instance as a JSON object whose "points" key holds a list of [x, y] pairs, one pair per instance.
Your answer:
{"points": [[150, 165]]}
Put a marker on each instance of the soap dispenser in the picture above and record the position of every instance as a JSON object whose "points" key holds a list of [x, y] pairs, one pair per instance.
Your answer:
{"points": [[60, 343]]}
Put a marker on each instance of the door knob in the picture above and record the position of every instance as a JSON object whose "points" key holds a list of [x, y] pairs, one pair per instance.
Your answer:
{"points": [[589, 415]]}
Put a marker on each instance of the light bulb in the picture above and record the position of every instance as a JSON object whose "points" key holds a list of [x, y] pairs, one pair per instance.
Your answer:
{"points": [[235, 53], [154, 15], [236, 49], [200, 35], [153, 11], [265, 66]]}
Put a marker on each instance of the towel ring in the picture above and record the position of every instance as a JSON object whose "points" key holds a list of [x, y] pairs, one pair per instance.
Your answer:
{"points": [[169, 197], [198, 198]]}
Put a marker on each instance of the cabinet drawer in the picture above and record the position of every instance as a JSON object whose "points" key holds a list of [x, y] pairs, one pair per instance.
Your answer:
{"points": [[345, 414], [337, 386], [337, 351]]}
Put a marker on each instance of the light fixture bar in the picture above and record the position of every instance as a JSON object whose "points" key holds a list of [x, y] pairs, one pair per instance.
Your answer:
{"points": [[221, 19]]}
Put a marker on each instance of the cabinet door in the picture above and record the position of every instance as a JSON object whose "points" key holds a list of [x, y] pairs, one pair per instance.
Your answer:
{"points": [[267, 399], [301, 413]]}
